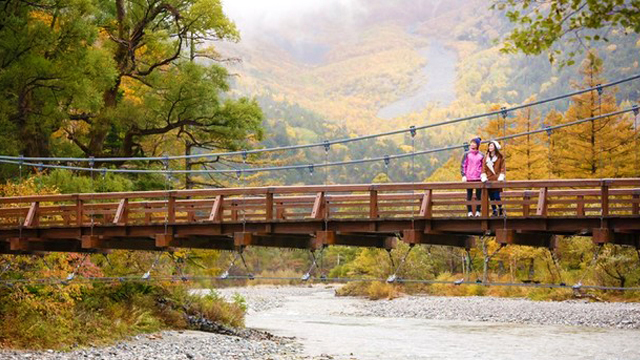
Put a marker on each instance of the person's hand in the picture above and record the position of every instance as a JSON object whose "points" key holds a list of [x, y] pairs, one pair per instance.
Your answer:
{"points": [[501, 177], [483, 177], [464, 179]]}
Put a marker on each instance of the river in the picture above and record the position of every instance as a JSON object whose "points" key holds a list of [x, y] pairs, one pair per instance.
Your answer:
{"points": [[436, 83], [321, 322]]}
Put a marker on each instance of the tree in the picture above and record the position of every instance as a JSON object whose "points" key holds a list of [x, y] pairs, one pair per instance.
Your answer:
{"points": [[542, 24], [600, 148], [528, 155], [112, 78], [49, 68]]}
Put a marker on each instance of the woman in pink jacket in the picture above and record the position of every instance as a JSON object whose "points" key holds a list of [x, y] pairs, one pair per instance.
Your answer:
{"points": [[471, 169]]}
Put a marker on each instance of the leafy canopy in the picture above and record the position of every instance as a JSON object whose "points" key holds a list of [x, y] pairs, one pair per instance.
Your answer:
{"points": [[541, 25]]}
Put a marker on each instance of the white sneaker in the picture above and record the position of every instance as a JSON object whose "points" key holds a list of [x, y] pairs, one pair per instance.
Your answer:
{"points": [[470, 214], [478, 214]]}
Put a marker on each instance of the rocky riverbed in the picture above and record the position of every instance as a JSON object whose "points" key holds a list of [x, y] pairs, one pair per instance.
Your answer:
{"points": [[501, 310], [280, 302], [180, 345]]}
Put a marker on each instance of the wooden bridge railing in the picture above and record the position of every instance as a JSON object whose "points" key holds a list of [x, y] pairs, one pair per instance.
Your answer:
{"points": [[540, 198]]}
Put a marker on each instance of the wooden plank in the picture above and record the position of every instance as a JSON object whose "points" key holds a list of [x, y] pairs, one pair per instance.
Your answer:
{"points": [[426, 207], [171, 209], [602, 235], [280, 211], [541, 210], [512, 237], [163, 240], [32, 219], [580, 208], [242, 239], [269, 206], [18, 244], [322, 239], [604, 198], [79, 212], [525, 204], [317, 212], [91, 242], [373, 204], [484, 202], [121, 213], [216, 210]]}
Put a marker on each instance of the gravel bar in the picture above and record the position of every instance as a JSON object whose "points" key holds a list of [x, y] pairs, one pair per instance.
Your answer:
{"points": [[491, 309], [178, 345]]}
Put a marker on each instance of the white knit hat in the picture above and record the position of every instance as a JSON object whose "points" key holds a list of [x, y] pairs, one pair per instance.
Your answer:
{"points": [[496, 144]]}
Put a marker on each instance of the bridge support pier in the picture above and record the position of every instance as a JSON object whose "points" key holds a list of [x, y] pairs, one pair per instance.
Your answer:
{"points": [[413, 237], [604, 235], [512, 237]]}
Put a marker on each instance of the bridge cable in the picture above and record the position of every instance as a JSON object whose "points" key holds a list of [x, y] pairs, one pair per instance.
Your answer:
{"points": [[233, 278], [147, 275], [72, 275], [338, 141], [554, 258], [337, 163], [594, 260], [394, 277]]}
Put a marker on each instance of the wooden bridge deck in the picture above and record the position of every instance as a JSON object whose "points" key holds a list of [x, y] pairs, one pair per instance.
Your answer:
{"points": [[310, 217]]}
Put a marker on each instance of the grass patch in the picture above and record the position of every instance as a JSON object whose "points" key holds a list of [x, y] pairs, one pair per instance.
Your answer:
{"points": [[375, 290], [64, 317]]}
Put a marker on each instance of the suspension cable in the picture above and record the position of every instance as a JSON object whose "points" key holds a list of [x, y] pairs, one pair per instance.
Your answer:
{"points": [[634, 109], [339, 141]]}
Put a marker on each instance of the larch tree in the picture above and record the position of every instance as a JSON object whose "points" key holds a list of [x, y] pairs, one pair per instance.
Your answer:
{"points": [[528, 155], [595, 149]]}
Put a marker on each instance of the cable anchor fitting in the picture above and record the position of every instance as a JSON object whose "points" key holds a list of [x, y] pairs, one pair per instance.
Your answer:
{"points": [[599, 89], [503, 112], [387, 160], [327, 145], [636, 109], [412, 130]]}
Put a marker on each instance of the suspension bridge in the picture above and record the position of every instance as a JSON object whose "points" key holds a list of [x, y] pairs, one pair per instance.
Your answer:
{"points": [[314, 217]]}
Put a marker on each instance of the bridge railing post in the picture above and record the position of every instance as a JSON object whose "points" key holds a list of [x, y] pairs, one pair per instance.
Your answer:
{"points": [[580, 206], [33, 218], [426, 207], [635, 207], [318, 211], [484, 201], [373, 204], [604, 199], [526, 209], [171, 208], [122, 212], [269, 206], [79, 211], [542, 202]]}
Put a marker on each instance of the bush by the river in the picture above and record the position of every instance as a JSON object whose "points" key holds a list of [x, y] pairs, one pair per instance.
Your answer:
{"points": [[44, 316]]}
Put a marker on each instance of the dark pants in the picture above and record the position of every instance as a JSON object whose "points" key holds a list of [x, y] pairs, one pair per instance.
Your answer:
{"points": [[494, 195], [469, 195]]}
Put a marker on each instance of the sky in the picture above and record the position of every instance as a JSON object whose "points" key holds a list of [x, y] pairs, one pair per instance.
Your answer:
{"points": [[259, 15]]}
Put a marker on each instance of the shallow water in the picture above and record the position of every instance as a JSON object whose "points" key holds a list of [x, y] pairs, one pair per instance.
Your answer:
{"points": [[437, 80], [315, 321]]}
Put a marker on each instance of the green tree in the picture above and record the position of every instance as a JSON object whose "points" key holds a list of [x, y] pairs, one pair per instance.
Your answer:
{"points": [[112, 78], [539, 25], [50, 69]]}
